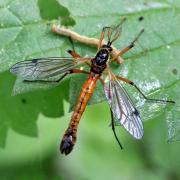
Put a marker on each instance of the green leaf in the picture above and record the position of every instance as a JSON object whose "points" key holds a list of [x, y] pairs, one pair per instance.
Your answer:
{"points": [[21, 112], [153, 61], [24, 34]]}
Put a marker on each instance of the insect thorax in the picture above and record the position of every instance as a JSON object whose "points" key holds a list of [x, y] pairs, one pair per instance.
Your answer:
{"points": [[99, 62]]}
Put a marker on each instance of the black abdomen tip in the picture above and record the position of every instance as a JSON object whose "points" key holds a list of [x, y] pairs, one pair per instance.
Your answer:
{"points": [[67, 144]]}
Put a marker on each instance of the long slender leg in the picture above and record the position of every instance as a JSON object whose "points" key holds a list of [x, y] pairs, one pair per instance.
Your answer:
{"points": [[144, 96], [76, 56], [60, 79], [100, 39], [102, 36], [73, 52], [112, 121], [112, 31], [114, 130], [72, 44], [130, 46]]}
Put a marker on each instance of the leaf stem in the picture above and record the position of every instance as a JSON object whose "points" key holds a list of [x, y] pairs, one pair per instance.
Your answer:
{"points": [[61, 30]]}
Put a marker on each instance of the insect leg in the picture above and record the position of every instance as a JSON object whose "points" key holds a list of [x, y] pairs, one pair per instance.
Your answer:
{"points": [[76, 56], [73, 52], [112, 121], [101, 39], [72, 43], [102, 36], [144, 96], [130, 46], [61, 78], [114, 130]]}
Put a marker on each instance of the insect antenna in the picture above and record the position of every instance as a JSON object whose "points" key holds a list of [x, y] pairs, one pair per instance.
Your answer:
{"points": [[114, 32], [137, 37]]}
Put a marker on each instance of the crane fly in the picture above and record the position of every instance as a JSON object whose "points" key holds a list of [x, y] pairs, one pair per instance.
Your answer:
{"points": [[121, 105]]}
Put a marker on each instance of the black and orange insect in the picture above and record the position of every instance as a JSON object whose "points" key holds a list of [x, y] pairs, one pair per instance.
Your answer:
{"points": [[121, 105]]}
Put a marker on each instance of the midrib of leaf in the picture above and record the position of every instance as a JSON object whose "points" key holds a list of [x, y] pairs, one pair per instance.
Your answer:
{"points": [[141, 54], [169, 86], [33, 23], [130, 14]]}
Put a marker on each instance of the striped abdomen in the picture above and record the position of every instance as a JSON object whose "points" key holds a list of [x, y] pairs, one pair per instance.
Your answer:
{"points": [[69, 137]]}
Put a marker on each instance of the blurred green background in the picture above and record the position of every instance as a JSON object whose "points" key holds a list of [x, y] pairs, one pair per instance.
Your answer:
{"points": [[33, 121]]}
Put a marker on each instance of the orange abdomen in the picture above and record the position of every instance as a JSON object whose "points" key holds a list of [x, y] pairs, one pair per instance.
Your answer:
{"points": [[69, 137]]}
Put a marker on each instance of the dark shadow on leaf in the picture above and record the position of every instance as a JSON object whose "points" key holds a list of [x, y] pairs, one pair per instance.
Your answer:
{"points": [[21, 112], [57, 11]]}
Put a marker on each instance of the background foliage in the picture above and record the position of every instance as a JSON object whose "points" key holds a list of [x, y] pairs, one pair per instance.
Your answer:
{"points": [[33, 121]]}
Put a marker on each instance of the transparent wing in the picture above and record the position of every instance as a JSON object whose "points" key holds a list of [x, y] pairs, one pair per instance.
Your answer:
{"points": [[123, 108], [43, 68]]}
